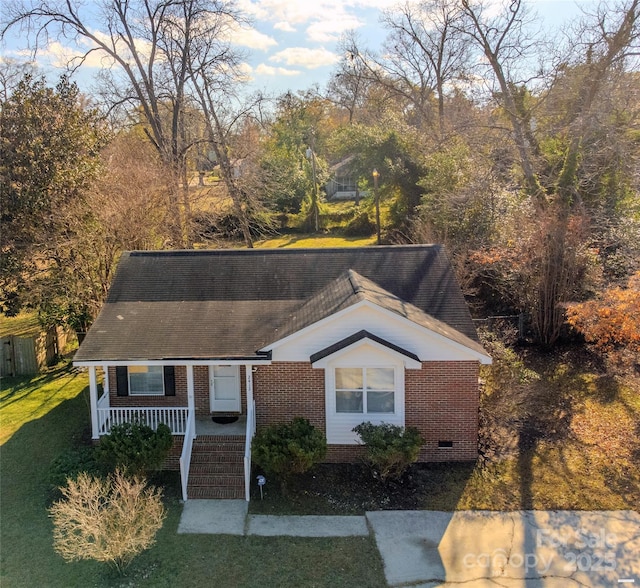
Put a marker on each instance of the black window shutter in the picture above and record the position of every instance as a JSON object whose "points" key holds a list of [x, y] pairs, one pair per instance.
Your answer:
{"points": [[122, 380], [169, 380]]}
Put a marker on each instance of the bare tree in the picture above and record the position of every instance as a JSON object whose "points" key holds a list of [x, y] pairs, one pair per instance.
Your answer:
{"points": [[427, 50], [505, 40], [349, 86], [11, 73], [150, 43], [604, 44]]}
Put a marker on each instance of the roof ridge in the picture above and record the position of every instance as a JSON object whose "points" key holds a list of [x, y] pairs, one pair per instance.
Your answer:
{"points": [[353, 277]]}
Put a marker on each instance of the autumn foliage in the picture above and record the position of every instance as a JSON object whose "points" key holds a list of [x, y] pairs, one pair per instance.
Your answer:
{"points": [[612, 321]]}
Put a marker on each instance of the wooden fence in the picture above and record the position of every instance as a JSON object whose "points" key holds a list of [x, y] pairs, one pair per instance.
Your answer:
{"points": [[21, 356]]}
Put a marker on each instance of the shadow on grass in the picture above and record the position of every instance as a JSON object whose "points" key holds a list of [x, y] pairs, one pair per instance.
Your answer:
{"points": [[12, 388], [28, 558], [544, 432]]}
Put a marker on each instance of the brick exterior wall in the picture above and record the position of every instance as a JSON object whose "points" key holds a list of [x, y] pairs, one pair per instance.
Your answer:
{"points": [[284, 390], [180, 399], [201, 389], [441, 401], [173, 459], [344, 453]]}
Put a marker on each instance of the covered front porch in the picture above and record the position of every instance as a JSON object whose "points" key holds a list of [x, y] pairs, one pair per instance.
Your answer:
{"points": [[186, 420]]}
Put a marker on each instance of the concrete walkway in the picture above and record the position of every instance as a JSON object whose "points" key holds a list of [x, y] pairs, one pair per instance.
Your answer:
{"points": [[425, 549]]}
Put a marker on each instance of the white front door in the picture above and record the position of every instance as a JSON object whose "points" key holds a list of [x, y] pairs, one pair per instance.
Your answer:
{"points": [[224, 388]]}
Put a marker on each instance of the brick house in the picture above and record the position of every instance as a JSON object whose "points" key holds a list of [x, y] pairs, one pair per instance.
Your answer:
{"points": [[339, 336]]}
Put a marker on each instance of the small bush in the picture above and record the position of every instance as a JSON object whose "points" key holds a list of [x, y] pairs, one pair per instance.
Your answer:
{"points": [[135, 448], [289, 448], [341, 217], [73, 462], [109, 519], [390, 449], [360, 226]]}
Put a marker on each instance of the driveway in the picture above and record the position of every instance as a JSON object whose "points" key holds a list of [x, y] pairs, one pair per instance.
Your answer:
{"points": [[478, 549]]}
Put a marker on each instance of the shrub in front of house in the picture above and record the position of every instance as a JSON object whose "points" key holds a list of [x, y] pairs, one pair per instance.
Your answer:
{"points": [[71, 463], [389, 449], [289, 448], [109, 519], [135, 448]]}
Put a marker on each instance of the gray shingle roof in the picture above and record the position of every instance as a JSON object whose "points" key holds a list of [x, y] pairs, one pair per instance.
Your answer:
{"points": [[230, 303], [350, 288]]}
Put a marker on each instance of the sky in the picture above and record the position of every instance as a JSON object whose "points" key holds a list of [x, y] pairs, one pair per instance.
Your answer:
{"points": [[290, 45]]}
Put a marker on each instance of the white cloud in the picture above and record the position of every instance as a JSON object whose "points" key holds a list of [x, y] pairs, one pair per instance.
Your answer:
{"points": [[330, 30], [142, 46], [268, 70], [305, 57], [325, 19], [284, 26], [252, 38], [62, 56]]}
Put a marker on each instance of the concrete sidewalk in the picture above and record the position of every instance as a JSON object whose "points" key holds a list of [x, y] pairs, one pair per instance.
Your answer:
{"points": [[424, 549], [229, 517]]}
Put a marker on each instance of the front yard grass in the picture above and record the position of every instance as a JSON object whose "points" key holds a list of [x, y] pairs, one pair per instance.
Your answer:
{"points": [[55, 417]]}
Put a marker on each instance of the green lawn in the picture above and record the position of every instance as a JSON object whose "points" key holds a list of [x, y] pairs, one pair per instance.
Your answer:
{"points": [[55, 414], [577, 440], [315, 241], [25, 324]]}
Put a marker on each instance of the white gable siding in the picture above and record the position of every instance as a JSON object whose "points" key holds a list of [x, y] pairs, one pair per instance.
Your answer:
{"points": [[339, 426], [428, 346]]}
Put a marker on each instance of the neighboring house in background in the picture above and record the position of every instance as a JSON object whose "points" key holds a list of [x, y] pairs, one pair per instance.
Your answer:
{"points": [[339, 336], [343, 182]]}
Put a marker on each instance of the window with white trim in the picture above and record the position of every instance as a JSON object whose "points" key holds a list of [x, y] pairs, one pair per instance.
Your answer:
{"points": [[146, 380], [365, 390]]}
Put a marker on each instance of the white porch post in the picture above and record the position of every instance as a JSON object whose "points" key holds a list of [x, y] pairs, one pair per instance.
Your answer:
{"points": [[250, 430], [248, 372], [93, 397], [191, 402], [105, 381]]}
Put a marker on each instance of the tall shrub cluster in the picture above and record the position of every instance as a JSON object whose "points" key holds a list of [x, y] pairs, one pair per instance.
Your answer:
{"points": [[389, 449], [289, 448]]}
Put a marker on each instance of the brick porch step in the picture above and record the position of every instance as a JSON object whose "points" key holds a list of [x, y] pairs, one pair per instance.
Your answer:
{"points": [[216, 493], [217, 467]]}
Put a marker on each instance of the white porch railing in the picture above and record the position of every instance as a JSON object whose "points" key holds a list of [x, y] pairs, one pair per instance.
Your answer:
{"points": [[103, 413], [251, 429], [175, 417], [185, 457]]}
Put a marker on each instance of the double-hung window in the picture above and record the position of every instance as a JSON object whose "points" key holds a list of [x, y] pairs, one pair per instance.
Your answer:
{"points": [[365, 390], [146, 380]]}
